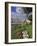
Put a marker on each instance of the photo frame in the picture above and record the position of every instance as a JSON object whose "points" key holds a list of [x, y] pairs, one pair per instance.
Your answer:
{"points": [[20, 22]]}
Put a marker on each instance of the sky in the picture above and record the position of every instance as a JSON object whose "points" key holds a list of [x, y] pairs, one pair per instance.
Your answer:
{"points": [[17, 13], [13, 9]]}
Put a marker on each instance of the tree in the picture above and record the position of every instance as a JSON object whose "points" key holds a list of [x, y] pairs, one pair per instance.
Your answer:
{"points": [[30, 17]]}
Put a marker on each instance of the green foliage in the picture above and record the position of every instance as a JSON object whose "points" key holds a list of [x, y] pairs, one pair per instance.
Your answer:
{"points": [[30, 17], [21, 27], [29, 30]]}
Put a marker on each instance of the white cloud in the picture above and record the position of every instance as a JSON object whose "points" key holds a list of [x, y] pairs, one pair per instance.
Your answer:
{"points": [[19, 10]]}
